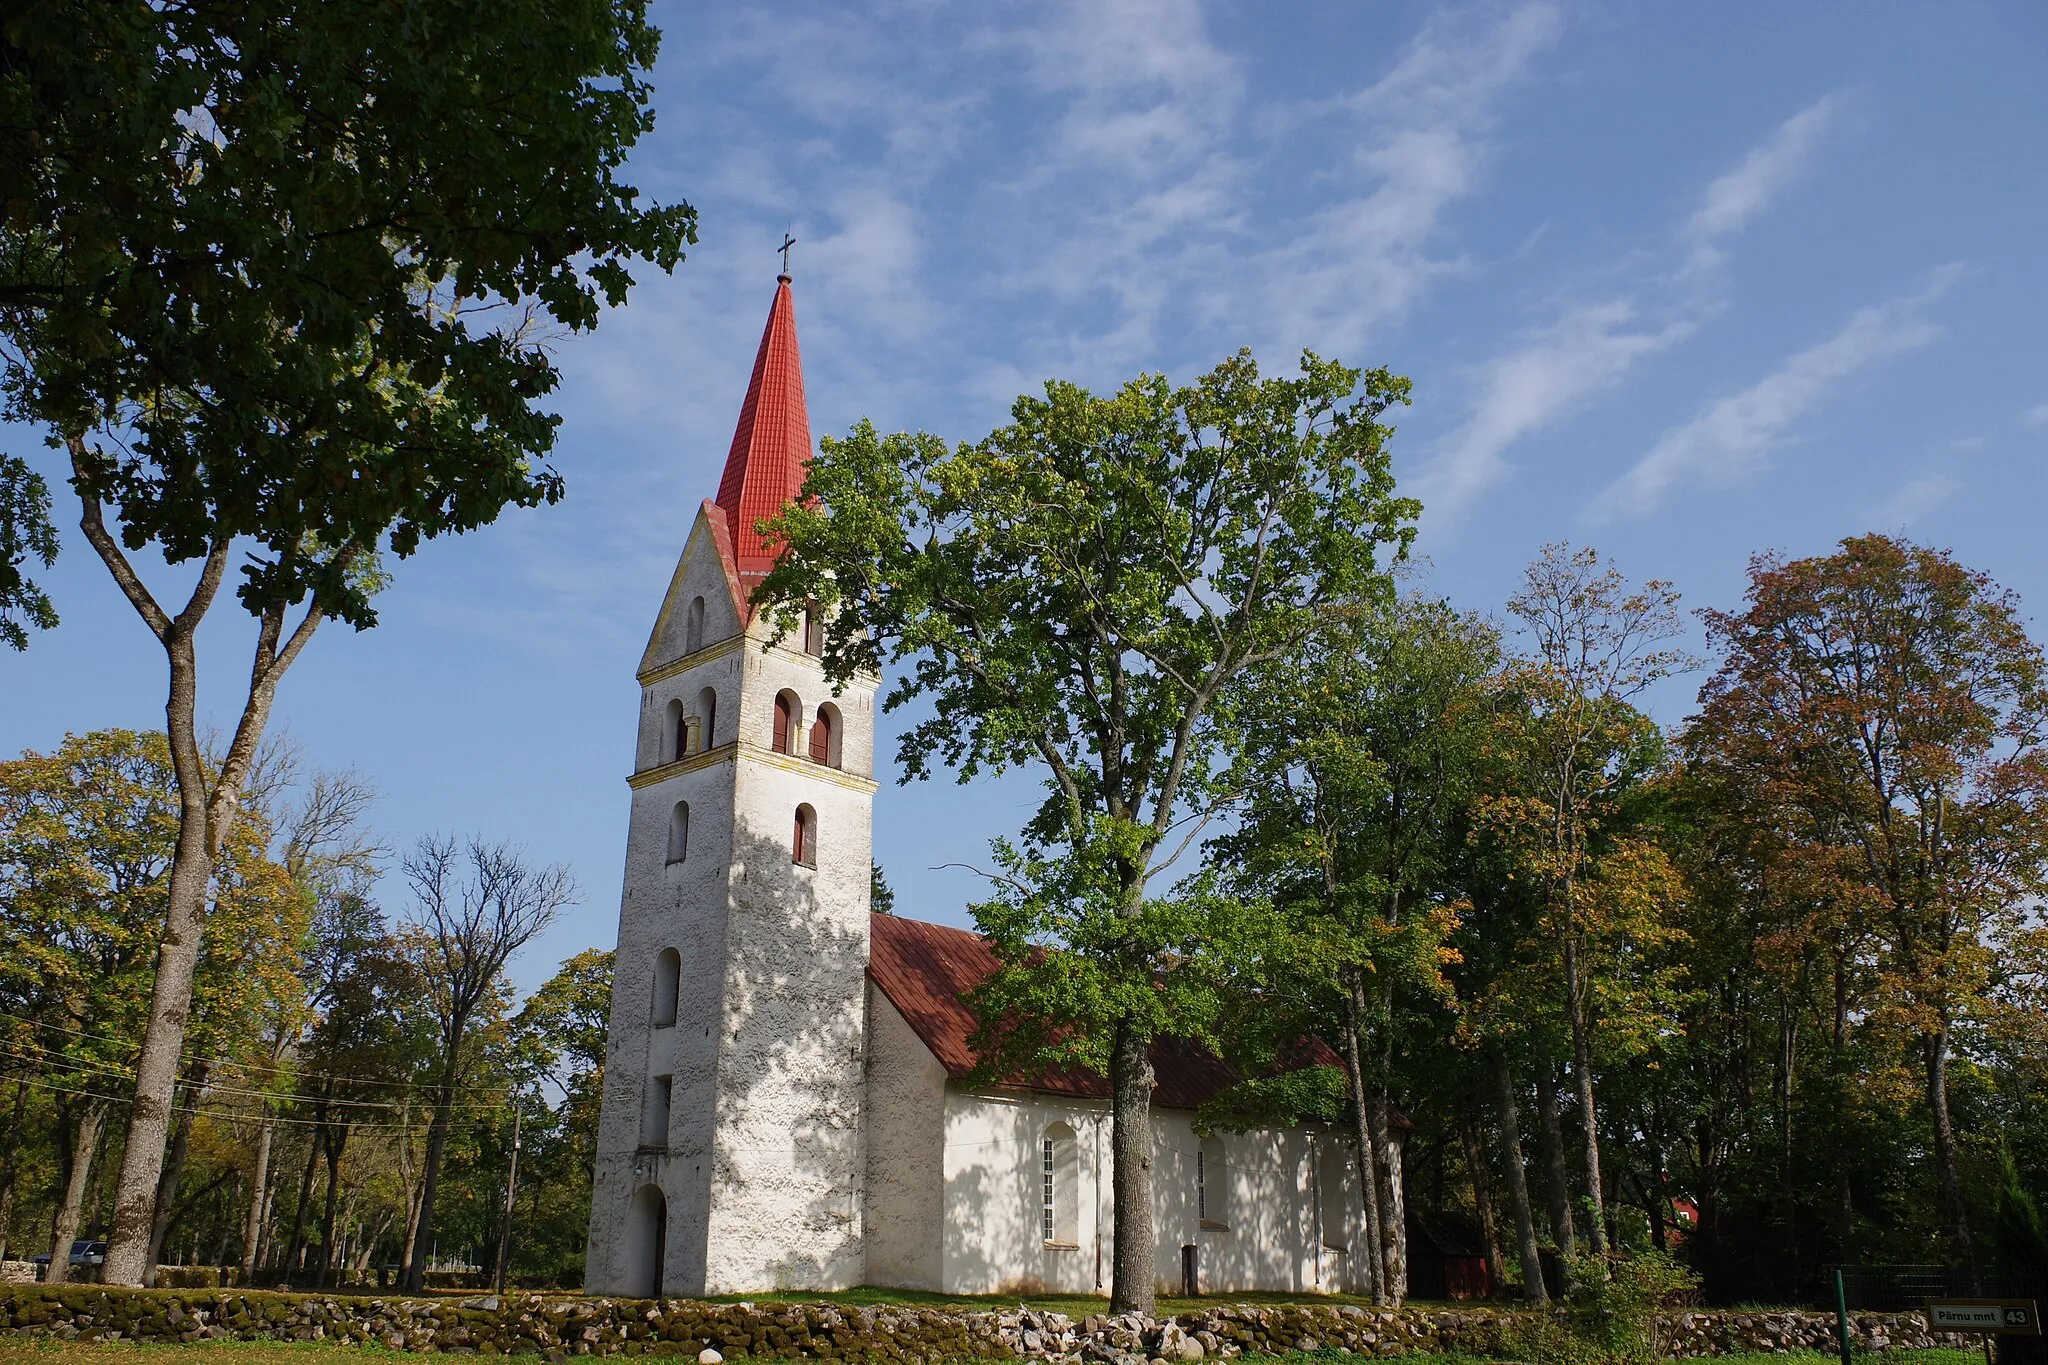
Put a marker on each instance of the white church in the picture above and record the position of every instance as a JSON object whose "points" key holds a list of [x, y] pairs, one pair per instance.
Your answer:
{"points": [[786, 1102]]}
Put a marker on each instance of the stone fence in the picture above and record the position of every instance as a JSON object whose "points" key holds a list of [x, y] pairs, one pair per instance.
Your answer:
{"points": [[559, 1326]]}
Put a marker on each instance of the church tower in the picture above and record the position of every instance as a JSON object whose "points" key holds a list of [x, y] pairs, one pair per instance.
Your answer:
{"points": [[729, 1152]]}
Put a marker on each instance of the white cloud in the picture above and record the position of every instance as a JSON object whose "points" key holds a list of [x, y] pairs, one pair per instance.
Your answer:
{"points": [[1588, 350], [1735, 199], [2038, 417], [1913, 501], [1727, 442], [1594, 344]]}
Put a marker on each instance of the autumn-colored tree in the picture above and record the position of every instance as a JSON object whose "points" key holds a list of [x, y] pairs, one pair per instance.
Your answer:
{"points": [[1572, 743], [1889, 713], [88, 834]]}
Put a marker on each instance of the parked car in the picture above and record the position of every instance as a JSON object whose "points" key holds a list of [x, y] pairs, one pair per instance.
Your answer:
{"points": [[83, 1253]]}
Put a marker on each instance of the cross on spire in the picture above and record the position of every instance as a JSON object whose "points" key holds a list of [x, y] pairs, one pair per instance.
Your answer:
{"points": [[787, 242]]}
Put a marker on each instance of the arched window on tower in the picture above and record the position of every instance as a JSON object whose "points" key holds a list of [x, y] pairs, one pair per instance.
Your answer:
{"points": [[679, 832], [824, 746], [693, 627], [707, 719], [814, 629], [803, 840], [787, 709], [675, 733], [668, 980]]}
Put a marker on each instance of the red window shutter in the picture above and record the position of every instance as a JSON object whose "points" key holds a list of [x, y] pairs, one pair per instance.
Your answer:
{"points": [[796, 840], [821, 741], [782, 722]]}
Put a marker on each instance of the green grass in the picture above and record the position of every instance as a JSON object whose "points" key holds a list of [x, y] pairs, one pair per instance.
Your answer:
{"points": [[46, 1351]]}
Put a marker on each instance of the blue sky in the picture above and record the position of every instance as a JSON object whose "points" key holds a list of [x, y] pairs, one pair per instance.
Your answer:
{"points": [[1682, 281]]}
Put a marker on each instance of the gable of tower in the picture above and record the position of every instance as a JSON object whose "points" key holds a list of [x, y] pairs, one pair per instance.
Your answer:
{"points": [[706, 572]]}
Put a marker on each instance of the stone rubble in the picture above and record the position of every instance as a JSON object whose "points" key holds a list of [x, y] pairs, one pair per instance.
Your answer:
{"points": [[563, 1326]]}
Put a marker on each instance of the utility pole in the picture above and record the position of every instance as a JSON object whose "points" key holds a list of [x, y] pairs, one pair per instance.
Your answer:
{"points": [[511, 1194]]}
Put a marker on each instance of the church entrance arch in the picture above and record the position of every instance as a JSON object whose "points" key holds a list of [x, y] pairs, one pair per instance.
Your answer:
{"points": [[646, 1242]]}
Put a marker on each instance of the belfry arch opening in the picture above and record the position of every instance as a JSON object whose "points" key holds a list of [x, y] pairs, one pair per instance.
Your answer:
{"points": [[675, 733], [788, 709], [825, 735], [707, 719]]}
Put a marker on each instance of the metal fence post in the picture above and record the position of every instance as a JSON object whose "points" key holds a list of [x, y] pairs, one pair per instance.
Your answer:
{"points": [[1842, 1319]]}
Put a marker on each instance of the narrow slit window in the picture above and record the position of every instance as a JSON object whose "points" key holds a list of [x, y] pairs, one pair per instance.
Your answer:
{"points": [[679, 832], [803, 839]]}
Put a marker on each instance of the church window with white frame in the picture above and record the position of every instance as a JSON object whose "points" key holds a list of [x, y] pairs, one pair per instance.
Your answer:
{"points": [[1059, 1187], [1048, 1201]]}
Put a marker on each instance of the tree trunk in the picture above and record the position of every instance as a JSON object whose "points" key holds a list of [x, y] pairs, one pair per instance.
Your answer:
{"points": [[333, 1146], [1518, 1180], [295, 1249], [1133, 1274], [410, 1184], [226, 1226], [1557, 1185], [177, 960], [9, 1160], [1393, 1203], [206, 813], [1589, 1117], [437, 1147], [85, 1143], [174, 1169], [1361, 1132], [1934, 1049], [1482, 1200], [259, 1182]]}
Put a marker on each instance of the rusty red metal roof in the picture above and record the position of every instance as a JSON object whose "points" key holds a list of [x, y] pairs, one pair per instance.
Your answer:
{"points": [[764, 470], [927, 971]]}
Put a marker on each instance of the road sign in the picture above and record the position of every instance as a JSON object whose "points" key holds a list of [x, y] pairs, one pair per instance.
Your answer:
{"points": [[2010, 1317]]}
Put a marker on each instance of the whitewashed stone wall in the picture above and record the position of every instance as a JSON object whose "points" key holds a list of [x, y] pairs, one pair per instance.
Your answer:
{"points": [[961, 1212], [761, 1173]]}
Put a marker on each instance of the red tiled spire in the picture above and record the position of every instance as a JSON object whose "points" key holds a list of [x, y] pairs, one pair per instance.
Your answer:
{"points": [[770, 447]]}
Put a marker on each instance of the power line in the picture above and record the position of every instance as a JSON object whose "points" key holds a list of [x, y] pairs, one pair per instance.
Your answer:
{"points": [[306, 1123], [51, 1057], [226, 1063]]}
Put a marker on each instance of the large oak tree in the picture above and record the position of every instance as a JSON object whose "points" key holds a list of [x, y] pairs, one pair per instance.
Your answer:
{"points": [[1073, 594], [272, 278]]}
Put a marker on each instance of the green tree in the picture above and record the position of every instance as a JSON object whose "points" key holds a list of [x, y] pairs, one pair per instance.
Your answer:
{"points": [[560, 1039], [1075, 593], [1358, 754], [273, 275], [25, 533]]}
